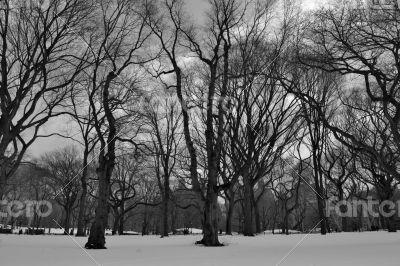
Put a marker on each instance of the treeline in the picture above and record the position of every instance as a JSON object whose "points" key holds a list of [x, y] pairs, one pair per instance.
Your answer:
{"points": [[262, 103]]}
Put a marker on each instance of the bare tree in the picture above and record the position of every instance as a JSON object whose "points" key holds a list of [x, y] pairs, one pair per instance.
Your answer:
{"points": [[361, 44], [339, 166], [63, 168], [286, 190], [81, 115], [124, 196], [214, 56], [164, 119], [320, 87], [116, 44], [35, 41]]}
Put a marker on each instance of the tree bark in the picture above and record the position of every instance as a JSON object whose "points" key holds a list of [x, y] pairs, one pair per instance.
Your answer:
{"points": [[116, 221], [229, 214], [67, 221], [286, 220], [319, 190], [390, 221], [3, 182], [248, 208], [321, 214], [210, 228], [97, 231], [343, 209], [165, 205], [121, 226], [391, 226], [256, 215], [82, 201], [104, 171], [121, 219], [173, 219]]}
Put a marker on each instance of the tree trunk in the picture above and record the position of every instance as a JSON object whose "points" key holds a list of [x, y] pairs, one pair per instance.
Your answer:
{"points": [[321, 213], [165, 206], [121, 226], [229, 214], [173, 220], [104, 171], [116, 222], [210, 229], [389, 221], [67, 221], [319, 193], [211, 221], [248, 208], [286, 219], [391, 225], [121, 219], [82, 201], [343, 209], [257, 217], [345, 227], [144, 225], [97, 231], [3, 182], [275, 217], [286, 224]]}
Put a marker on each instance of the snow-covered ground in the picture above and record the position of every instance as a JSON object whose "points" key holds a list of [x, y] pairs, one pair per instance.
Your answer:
{"points": [[278, 231], [192, 231], [353, 249]]}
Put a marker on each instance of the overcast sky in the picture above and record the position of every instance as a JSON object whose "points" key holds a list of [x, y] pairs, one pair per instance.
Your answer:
{"points": [[196, 9]]}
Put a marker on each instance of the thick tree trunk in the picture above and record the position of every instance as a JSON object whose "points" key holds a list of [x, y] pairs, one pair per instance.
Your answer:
{"points": [[211, 219], [104, 171], [257, 217], [210, 229], [81, 214], [97, 231], [248, 208]]}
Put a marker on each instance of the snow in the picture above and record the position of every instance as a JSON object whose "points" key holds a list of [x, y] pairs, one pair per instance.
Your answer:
{"points": [[352, 249], [278, 231], [57, 231], [131, 233], [193, 231]]}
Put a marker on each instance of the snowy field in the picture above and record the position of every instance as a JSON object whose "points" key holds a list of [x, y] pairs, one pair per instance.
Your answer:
{"points": [[352, 249]]}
